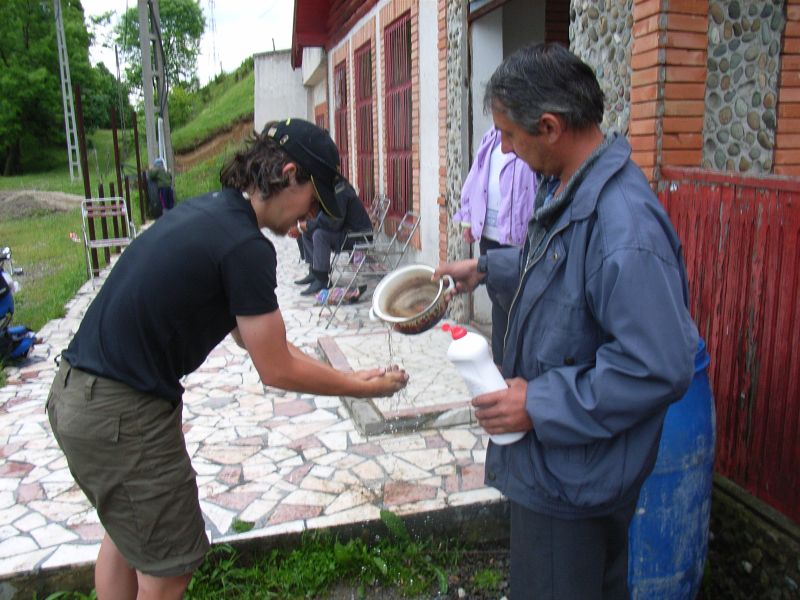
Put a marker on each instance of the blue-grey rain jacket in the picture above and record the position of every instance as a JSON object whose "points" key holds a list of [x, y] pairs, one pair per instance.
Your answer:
{"points": [[600, 329]]}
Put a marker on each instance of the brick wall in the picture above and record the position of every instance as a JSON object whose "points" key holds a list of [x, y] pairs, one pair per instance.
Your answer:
{"points": [[668, 68], [787, 138]]}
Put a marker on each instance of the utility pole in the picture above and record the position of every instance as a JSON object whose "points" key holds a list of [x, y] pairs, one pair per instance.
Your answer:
{"points": [[66, 94], [156, 112]]}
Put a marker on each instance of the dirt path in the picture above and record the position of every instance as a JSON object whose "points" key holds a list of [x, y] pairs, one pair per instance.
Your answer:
{"points": [[15, 204], [235, 135]]}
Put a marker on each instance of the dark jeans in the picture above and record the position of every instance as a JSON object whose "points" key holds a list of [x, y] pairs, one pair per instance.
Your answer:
{"points": [[167, 196], [499, 315], [321, 243], [555, 559]]}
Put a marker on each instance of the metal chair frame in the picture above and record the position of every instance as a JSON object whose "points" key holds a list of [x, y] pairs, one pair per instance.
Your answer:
{"points": [[377, 216], [370, 261], [105, 212]]}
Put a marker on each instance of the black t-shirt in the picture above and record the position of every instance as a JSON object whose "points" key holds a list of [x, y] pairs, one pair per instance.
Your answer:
{"points": [[174, 294]]}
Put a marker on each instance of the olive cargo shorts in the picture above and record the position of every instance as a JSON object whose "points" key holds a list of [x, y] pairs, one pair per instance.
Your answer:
{"points": [[126, 451]]}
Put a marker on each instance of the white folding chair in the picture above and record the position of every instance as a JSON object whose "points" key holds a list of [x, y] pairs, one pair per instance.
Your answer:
{"points": [[106, 226]]}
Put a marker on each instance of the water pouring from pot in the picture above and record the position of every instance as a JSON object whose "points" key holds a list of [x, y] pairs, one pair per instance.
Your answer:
{"points": [[409, 301]]}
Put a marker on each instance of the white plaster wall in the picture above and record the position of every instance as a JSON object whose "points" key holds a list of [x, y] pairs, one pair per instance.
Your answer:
{"points": [[429, 158], [486, 53], [279, 90]]}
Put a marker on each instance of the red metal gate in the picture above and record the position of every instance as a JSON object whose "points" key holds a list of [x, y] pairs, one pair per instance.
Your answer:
{"points": [[364, 147], [340, 114], [741, 240], [398, 113]]}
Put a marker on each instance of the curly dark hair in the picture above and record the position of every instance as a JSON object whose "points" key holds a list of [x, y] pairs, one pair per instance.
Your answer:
{"points": [[260, 163]]}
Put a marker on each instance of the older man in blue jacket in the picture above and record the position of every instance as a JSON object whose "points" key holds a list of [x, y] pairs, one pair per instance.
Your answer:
{"points": [[599, 339]]}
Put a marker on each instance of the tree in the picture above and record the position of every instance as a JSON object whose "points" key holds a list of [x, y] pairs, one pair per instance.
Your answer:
{"points": [[31, 106], [182, 27]]}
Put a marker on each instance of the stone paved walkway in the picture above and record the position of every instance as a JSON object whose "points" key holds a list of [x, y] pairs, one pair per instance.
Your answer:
{"points": [[284, 461]]}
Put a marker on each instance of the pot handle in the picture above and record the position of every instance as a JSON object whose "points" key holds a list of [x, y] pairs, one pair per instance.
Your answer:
{"points": [[451, 284], [372, 315]]}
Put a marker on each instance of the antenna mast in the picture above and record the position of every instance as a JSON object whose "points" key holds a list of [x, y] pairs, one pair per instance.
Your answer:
{"points": [[66, 93]]}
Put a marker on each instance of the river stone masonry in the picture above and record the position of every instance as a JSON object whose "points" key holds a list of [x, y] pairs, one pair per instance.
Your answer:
{"points": [[600, 34], [744, 44]]}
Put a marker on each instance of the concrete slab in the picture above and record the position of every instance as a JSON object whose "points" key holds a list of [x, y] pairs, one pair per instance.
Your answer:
{"points": [[435, 396]]}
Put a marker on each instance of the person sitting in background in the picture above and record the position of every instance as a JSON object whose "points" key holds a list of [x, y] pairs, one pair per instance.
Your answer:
{"points": [[163, 180], [324, 234], [496, 205]]}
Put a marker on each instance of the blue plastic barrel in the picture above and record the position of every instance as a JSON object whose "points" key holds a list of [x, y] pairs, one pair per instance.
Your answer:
{"points": [[669, 532]]}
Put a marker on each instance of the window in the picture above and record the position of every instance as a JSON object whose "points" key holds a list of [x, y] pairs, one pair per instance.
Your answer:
{"points": [[340, 114], [365, 164], [397, 39]]}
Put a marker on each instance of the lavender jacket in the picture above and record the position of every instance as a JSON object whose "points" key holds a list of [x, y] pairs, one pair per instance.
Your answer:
{"points": [[517, 190]]}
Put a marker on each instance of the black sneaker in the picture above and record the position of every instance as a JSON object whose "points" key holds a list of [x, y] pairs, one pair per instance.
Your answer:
{"points": [[306, 280]]}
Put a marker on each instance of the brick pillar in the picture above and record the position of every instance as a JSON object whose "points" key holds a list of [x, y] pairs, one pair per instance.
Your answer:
{"points": [[787, 135], [668, 71]]}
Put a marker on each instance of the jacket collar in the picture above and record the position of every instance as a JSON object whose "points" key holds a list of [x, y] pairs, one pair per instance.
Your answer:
{"points": [[606, 166]]}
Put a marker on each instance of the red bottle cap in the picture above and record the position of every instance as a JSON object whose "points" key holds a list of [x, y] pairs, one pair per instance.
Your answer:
{"points": [[456, 331]]}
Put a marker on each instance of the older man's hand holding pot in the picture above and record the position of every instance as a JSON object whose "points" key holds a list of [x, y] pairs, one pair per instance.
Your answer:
{"points": [[464, 273]]}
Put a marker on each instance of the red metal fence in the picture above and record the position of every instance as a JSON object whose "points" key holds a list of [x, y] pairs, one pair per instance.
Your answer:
{"points": [[398, 113], [741, 240]]}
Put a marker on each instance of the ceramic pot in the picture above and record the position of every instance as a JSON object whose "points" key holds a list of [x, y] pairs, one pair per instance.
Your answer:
{"points": [[409, 301]]}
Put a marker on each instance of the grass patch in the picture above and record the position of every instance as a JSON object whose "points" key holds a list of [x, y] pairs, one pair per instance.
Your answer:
{"points": [[232, 105], [321, 562], [56, 180], [202, 177], [488, 580], [54, 265]]}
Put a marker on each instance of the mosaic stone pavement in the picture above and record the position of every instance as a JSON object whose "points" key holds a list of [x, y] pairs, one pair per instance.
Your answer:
{"points": [[285, 461]]}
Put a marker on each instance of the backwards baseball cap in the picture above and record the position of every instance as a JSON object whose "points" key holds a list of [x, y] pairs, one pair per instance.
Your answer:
{"points": [[313, 149]]}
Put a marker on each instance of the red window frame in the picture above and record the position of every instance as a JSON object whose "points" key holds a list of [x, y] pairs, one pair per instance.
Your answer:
{"points": [[340, 109], [397, 43], [365, 154]]}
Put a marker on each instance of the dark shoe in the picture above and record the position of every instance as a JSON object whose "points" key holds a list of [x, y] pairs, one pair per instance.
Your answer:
{"points": [[306, 280], [314, 287]]}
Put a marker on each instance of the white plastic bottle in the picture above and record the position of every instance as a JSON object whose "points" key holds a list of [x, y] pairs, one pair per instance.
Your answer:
{"points": [[470, 354]]}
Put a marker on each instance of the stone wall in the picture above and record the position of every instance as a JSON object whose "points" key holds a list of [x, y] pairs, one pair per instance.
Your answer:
{"points": [[456, 139], [744, 45], [600, 34]]}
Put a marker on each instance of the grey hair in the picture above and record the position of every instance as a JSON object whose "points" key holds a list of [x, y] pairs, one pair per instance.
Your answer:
{"points": [[545, 78]]}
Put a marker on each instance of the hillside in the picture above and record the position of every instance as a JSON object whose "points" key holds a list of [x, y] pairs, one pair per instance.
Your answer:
{"points": [[222, 103]]}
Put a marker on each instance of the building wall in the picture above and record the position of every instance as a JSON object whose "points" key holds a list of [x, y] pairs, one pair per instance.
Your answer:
{"points": [[603, 39], [279, 91], [428, 134], [744, 43], [427, 159], [709, 85]]}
